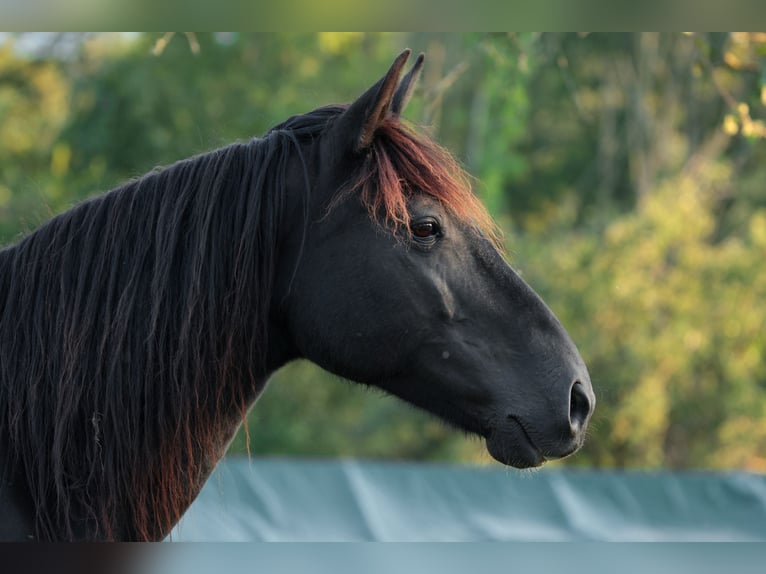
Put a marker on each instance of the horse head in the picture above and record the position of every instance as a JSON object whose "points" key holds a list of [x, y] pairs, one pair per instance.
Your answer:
{"points": [[398, 282]]}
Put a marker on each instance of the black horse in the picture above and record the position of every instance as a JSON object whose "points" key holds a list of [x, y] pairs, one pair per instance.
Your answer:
{"points": [[137, 329]]}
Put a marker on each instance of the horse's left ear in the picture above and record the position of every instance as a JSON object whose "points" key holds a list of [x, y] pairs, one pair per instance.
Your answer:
{"points": [[363, 117]]}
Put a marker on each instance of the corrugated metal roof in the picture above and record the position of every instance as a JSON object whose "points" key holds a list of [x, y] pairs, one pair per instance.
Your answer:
{"points": [[350, 500]]}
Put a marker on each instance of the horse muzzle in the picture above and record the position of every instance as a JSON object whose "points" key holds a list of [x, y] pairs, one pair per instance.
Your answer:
{"points": [[531, 440]]}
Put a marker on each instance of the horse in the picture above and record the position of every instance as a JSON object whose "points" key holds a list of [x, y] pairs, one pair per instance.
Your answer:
{"points": [[138, 328]]}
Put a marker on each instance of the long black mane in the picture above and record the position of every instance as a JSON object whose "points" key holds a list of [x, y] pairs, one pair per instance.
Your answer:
{"points": [[130, 324]]}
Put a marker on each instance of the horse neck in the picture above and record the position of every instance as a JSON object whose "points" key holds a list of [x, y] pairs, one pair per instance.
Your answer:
{"points": [[144, 319]]}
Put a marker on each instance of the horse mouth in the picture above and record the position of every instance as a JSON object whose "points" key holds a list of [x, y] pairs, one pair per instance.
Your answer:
{"points": [[512, 446]]}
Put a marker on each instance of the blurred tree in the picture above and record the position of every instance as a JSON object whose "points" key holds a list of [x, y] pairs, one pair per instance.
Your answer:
{"points": [[33, 108], [671, 326], [664, 300]]}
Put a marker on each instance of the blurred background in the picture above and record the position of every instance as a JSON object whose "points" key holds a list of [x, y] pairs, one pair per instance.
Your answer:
{"points": [[626, 170]]}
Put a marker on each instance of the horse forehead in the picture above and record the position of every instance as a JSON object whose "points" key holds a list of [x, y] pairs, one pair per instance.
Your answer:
{"points": [[420, 200]]}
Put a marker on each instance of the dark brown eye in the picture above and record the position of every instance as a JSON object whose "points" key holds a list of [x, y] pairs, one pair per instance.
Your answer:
{"points": [[425, 229]]}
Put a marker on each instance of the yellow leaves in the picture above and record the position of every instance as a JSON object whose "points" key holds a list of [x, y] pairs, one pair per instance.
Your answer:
{"points": [[693, 340], [732, 60], [743, 123], [618, 232], [309, 67], [743, 55], [60, 158], [751, 358], [338, 42], [33, 107], [730, 125], [758, 228], [749, 126], [642, 421], [743, 50], [674, 336], [745, 437]]}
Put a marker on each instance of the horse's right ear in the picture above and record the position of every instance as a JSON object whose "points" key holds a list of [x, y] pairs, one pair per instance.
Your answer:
{"points": [[405, 89], [361, 119]]}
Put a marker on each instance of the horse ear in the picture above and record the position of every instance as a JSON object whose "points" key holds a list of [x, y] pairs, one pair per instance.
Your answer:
{"points": [[407, 86], [363, 117]]}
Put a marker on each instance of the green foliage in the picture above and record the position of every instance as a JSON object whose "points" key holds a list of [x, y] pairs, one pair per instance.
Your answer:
{"points": [[32, 111], [627, 169], [674, 337], [306, 411]]}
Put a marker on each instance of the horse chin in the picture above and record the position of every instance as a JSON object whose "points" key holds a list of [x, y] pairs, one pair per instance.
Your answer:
{"points": [[513, 447]]}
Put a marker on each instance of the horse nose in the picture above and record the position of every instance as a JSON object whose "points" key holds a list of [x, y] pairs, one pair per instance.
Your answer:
{"points": [[581, 405]]}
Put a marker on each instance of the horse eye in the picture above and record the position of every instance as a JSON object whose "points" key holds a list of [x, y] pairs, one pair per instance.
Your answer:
{"points": [[424, 229]]}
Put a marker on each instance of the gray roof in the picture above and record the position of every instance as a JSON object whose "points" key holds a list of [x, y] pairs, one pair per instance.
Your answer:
{"points": [[349, 500]]}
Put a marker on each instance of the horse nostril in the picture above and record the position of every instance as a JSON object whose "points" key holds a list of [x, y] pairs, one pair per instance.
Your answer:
{"points": [[579, 406]]}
